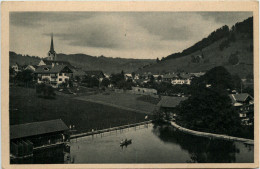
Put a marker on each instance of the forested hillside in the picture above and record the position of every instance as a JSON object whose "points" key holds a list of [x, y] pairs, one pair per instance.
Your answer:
{"points": [[228, 47]]}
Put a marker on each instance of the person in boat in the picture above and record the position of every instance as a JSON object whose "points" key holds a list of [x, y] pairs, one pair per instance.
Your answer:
{"points": [[122, 141]]}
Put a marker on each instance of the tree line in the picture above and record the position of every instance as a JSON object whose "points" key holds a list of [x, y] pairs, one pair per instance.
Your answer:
{"points": [[245, 27]]}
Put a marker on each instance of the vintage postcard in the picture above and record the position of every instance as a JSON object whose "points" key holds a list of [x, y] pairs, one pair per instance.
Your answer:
{"points": [[130, 84]]}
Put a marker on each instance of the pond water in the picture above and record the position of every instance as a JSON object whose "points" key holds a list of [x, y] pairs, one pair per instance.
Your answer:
{"points": [[157, 144]]}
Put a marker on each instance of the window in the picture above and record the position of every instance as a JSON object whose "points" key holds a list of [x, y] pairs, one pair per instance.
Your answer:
{"points": [[60, 74], [60, 79]]}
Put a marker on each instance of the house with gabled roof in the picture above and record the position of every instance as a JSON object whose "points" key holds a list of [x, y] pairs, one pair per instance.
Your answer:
{"points": [[95, 73], [244, 104], [16, 67], [168, 105], [53, 74]]}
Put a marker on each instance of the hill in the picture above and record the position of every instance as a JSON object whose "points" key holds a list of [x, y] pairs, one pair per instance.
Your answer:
{"points": [[231, 48], [106, 64], [87, 62]]}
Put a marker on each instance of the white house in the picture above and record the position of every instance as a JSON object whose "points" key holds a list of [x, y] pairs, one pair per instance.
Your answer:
{"points": [[15, 67], [31, 67], [55, 74], [181, 81]]}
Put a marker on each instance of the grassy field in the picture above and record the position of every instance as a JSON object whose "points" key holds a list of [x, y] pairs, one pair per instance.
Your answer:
{"points": [[123, 100], [26, 107]]}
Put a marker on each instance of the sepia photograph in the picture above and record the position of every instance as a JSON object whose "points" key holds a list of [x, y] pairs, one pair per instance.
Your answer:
{"points": [[131, 87]]}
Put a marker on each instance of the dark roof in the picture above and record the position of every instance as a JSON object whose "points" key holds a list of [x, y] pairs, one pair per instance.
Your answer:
{"points": [[240, 97], [54, 69], [95, 73], [78, 72], [170, 76], [170, 102], [36, 128], [185, 76], [60, 62]]}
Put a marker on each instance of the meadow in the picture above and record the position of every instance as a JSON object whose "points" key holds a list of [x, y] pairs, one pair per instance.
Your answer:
{"points": [[121, 100], [25, 107]]}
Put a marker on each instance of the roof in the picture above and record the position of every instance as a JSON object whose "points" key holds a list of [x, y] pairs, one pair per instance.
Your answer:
{"points": [[78, 72], [241, 97], [54, 69], [94, 73], [170, 102], [169, 76], [185, 76], [198, 74], [60, 62], [37, 128]]}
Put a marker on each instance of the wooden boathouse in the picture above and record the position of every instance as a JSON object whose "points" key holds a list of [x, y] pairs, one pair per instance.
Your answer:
{"points": [[29, 137]]}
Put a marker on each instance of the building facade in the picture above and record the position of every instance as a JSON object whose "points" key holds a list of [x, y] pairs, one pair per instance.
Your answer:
{"points": [[54, 75], [244, 104]]}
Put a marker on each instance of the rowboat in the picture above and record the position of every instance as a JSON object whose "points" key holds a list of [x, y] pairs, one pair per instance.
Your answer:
{"points": [[125, 142]]}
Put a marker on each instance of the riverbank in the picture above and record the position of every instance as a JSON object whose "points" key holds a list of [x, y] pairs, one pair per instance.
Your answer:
{"points": [[211, 135]]}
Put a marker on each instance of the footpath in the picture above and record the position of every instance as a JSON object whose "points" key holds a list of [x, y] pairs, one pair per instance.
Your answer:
{"points": [[211, 135]]}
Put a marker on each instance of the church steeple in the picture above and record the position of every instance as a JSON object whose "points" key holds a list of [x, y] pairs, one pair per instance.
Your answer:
{"points": [[52, 46], [51, 53]]}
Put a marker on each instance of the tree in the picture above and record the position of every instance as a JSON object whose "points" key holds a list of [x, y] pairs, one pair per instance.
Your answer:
{"points": [[218, 77], [45, 91], [105, 82], [133, 75], [151, 78], [233, 59], [157, 60], [159, 77], [11, 71], [237, 82], [90, 81], [209, 110], [25, 76]]}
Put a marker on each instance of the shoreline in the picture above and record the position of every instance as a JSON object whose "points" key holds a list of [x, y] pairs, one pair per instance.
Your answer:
{"points": [[205, 134]]}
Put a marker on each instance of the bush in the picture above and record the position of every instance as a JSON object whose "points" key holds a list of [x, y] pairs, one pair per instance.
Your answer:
{"points": [[45, 91], [233, 59]]}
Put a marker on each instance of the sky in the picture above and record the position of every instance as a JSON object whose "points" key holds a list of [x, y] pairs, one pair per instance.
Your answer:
{"points": [[142, 35]]}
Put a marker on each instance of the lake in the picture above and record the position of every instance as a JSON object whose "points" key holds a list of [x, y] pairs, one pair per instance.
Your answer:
{"points": [[157, 144]]}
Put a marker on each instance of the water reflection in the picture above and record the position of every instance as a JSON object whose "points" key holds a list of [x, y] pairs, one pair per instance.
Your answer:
{"points": [[204, 150]]}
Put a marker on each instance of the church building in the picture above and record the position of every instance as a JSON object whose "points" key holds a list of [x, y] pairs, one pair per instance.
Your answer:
{"points": [[52, 54]]}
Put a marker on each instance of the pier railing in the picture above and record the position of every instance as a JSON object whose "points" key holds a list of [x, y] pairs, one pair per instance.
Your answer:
{"points": [[72, 136]]}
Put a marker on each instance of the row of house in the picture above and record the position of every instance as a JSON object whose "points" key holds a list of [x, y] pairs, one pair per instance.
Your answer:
{"points": [[173, 78]]}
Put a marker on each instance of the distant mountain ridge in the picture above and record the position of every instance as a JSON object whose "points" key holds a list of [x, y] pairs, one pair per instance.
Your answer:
{"points": [[231, 48], [87, 62]]}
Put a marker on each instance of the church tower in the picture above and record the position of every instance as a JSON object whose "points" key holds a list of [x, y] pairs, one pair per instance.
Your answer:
{"points": [[52, 54]]}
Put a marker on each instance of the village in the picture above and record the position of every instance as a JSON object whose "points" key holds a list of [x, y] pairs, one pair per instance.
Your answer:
{"points": [[65, 102]]}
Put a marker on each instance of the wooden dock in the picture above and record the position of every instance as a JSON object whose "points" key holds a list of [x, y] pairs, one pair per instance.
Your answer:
{"points": [[50, 145], [108, 129]]}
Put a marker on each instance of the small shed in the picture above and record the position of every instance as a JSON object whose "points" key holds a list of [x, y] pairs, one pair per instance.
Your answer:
{"points": [[25, 137], [168, 103]]}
